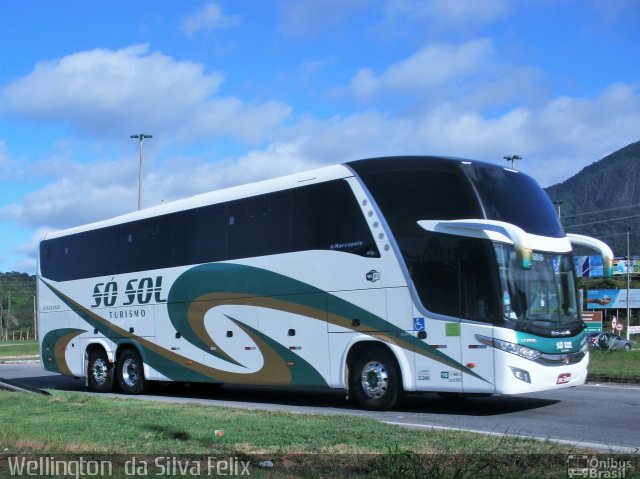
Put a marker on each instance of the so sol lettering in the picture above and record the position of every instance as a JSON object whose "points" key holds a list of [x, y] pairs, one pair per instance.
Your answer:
{"points": [[137, 291]]}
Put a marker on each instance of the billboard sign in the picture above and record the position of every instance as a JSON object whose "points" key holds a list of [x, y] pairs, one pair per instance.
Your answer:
{"points": [[592, 266], [589, 266], [612, 299], [620, 266]]}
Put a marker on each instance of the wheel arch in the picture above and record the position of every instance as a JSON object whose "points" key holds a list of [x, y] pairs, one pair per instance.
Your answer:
{"points": [[128, 344], [95, 345], [402, 357]]}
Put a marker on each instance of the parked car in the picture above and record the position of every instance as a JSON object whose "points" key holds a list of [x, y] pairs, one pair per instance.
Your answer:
{"points": [[611, 342], [592, 339]]}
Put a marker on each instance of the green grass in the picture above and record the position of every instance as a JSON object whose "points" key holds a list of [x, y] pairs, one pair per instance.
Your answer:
{"points": [[616, 365], [18, 348], [75, 423]]}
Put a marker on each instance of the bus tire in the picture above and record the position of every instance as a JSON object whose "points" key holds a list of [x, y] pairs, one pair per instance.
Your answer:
{"points": [[131, 372], [100, 374], [375, 380]]}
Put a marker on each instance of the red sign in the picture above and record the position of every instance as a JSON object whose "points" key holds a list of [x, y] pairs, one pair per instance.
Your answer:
{"points": [[619, 327]]}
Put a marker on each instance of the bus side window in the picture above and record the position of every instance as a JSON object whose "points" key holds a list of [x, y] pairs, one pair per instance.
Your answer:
{"points": [[326, 216], [260, 225], [200, 235]]}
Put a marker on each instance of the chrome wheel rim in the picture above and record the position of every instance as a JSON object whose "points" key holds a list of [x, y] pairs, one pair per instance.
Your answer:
{"points": [[100, 371], [130, 372], [374, 379]]}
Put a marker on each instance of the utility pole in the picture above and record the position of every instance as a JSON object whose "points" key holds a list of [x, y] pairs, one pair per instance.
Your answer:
{"points": [[628, 285], [35, 319], [141, 137], [512, 159], [558, 203]]}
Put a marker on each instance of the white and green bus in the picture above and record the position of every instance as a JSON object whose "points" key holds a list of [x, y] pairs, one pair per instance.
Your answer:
{"points": [[379, 276]]}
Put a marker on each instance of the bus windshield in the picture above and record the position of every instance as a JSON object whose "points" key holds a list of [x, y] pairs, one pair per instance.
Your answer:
{"points": [[540, 299]]}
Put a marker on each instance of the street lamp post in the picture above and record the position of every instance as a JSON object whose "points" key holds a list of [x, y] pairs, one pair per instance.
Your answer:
{"points": [[558, 203], [628, 285], [512, 159], [141, 137]]}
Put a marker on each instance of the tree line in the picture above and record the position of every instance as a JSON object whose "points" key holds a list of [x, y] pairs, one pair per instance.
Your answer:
{"points": [[17, 303]]}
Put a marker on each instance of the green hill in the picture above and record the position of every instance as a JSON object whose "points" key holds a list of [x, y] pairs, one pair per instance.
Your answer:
{"points": [[603, 200]]}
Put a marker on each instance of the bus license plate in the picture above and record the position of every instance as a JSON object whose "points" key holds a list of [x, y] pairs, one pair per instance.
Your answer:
{"points": [[564, 378]]}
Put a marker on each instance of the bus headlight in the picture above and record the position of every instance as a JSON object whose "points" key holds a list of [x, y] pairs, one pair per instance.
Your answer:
{"points": [[508, 347]]}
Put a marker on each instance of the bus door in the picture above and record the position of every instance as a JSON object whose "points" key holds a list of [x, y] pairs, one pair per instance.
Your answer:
{"points": [[479, 309], [477, 358], [437, 366], [453, 277]]}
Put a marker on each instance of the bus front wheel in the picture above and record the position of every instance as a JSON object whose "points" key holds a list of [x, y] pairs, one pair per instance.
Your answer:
{"points": [[131, 372], [375, 380], [100, 373]]}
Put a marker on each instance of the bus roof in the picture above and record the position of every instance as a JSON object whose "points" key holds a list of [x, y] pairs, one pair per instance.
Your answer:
{"points": [[217, 196], [295, 180]]}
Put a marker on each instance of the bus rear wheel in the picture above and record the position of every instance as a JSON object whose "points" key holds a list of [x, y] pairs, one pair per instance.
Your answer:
{"points": [[101, 372], [375, 380], [131, 372]]}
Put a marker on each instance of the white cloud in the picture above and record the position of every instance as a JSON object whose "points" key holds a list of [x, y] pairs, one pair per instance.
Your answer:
{"points": [[469, 75], [625, 11], [109, 88], [230, 116], [81, 193], [180, 177], [447, 15], [556, 140], [210, 17], [6, 170], [433, 65], [110, 93], [312, 17], [4, 156], [28, 252], [306, 18], [578, 131]]}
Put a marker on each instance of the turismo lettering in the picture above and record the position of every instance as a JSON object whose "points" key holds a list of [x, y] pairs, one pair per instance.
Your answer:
{"points": [[137, 291], [127, 314]]}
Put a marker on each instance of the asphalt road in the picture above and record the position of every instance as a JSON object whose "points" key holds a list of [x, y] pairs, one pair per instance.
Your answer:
{"points": [[604, 417]]}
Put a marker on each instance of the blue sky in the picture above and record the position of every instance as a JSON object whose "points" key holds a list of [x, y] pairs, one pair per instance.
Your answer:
{"points": [[241, 90]]}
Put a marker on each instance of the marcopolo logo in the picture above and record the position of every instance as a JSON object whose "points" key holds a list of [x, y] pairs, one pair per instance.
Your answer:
{"points": [[136, 291]]}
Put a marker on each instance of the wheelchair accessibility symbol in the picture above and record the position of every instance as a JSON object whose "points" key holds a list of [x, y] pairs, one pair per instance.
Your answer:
{"points": [[418, 324]]}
